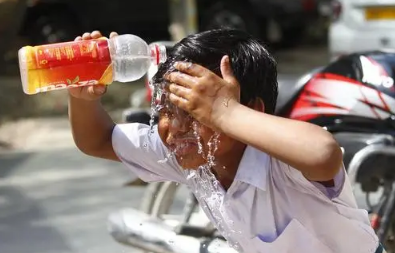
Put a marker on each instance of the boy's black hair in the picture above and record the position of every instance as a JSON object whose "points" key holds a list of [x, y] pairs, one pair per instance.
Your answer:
{"points": [[253, 66]]}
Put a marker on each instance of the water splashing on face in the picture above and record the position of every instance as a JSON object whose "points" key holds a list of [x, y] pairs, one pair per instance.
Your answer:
{"points": [[212, 148], [153, 106], [158, 103], [209, 190], [195, 126], [207, 187]]}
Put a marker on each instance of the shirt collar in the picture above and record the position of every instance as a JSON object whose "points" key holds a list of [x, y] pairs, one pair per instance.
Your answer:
{"points": [[253, 168]]}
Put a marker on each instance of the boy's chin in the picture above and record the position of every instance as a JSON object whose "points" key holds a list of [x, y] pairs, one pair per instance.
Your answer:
{"points": [[191, 162]]}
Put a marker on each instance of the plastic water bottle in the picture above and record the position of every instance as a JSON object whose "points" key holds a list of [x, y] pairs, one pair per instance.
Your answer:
{"points": [[124, 58]]}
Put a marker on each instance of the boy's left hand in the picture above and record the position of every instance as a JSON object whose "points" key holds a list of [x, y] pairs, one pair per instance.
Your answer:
{"points": [[203, 94]]}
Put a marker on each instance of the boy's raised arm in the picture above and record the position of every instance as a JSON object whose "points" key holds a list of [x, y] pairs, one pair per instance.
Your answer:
{"points": [[92, 128], [306, 147], [91, 125]]}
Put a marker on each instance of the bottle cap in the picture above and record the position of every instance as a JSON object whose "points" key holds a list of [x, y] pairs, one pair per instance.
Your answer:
{"points": [[158, 53]]}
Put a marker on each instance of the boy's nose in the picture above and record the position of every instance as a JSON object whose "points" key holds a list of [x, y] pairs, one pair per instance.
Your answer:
{"points": [[180, 122], [179, 125]]}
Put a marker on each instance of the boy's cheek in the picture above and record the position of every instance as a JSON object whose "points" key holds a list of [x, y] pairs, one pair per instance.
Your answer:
{"points": [[225, 144], [205, 132], [163, 128]]}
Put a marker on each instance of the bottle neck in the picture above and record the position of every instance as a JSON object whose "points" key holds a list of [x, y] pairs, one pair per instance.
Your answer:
{"points": [[158, 53], [111, 49], [122, 57]]}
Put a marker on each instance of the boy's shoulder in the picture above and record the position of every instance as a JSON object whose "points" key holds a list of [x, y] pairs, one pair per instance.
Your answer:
{"points": [[140, 148], [260, 169]]}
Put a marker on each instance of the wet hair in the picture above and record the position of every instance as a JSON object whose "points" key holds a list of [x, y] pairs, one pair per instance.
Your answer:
{"points": [[254, 68]]}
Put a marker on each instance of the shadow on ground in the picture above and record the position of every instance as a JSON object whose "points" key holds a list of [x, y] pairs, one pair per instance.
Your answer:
{"points": [[58, 201], [18, 213], [18, 233]]}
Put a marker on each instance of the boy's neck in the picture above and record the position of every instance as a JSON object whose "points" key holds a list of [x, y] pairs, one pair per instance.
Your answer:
{"points": [[226, 166]]}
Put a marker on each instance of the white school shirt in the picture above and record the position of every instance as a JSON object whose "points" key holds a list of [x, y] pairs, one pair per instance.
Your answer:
{"points": [[270, 207]]}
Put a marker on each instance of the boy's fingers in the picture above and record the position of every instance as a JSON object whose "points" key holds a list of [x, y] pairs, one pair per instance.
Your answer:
{"points": [[113, 34], [182, 79], [86, 36], [75, 92], [93, 92], [226, 71], [179, 102], [179, 91], [88, 93], [99, 89], [96, 35], [78, 38], [191, 68]]}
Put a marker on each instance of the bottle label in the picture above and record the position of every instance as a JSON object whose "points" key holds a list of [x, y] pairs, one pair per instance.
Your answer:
{"points": [[70, 64]]}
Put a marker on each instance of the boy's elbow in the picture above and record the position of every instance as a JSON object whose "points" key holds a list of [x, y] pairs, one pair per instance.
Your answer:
{"points": [[330, 159], [92, 148], [84, 148], [105, 151]]}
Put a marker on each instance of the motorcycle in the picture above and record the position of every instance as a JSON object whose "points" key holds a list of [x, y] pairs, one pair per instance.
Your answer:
{"points": [[353, 97]]}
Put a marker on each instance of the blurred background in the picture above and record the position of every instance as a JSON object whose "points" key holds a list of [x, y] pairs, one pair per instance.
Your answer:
{"points": [[53, 199], [295, 28]]}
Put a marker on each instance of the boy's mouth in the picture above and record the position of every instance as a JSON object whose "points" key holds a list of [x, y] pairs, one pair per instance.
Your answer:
{"points": [[184, 147]]}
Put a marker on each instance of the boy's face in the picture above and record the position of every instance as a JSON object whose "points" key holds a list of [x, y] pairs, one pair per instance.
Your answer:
{"points": [[177, 131]]}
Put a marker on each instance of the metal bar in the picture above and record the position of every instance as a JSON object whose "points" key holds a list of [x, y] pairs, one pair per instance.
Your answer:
{"points": [[388, 215], [137, 229], [183, 18]]}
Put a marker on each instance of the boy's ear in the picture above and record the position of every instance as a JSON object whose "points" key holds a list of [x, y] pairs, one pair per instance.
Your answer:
{"points": [[257, 104]]}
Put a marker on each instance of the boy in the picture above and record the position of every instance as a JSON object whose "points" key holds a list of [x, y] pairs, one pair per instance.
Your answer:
{"points": [[282, 184]]}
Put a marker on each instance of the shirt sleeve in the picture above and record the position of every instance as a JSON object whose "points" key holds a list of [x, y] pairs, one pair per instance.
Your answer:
{"points": [[143, 152], [300, 182]]}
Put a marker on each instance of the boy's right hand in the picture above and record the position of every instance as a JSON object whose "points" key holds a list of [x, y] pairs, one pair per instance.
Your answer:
{"points": [[94, 92]]}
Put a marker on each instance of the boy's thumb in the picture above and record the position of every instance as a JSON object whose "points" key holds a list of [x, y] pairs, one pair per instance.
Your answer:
{"points": [[227, 72], [96, 91]]}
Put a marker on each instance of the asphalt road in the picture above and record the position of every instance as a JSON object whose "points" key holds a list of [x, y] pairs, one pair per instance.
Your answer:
{"points": [[56, 200]]}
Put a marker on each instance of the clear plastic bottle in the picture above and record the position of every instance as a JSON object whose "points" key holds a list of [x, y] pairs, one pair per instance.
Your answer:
{"points": [[124, 58]]}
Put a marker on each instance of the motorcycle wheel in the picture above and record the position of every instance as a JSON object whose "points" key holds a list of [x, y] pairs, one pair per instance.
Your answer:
{"points": [[52, 28], [164, 199], [149, 197], [158, 198]]}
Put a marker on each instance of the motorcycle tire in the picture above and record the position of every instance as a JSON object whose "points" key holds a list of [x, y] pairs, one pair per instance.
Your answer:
{"points": [[149, 197]]}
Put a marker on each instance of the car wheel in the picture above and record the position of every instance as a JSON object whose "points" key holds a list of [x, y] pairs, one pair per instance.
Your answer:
{"points": [[229, 15], [52, 28], [291, 37]]}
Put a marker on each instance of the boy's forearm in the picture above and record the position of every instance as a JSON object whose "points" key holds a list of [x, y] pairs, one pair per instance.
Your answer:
{"points": [[304, 146], [91, 127]]}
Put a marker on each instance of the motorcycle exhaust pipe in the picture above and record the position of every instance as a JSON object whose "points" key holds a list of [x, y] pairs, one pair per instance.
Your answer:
{"points": [[137, 229]]}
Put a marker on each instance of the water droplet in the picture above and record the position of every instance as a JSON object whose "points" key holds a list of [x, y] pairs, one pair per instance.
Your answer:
{"points": [[169, 155], [195, 127]]}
